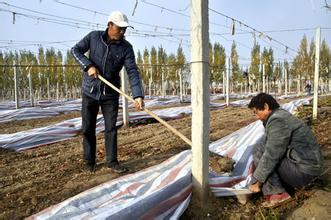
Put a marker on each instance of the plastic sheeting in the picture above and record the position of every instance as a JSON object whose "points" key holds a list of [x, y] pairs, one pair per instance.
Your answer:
{"points": [[51, 108], [36, 112], [70, 128], [158, 192], [163, 191]]}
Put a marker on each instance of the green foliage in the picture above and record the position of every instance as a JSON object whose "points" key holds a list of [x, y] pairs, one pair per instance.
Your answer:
{"points": [[254, 69], [218, 65], [267, 59], [325, 60], [235, 70], [153, 63]]}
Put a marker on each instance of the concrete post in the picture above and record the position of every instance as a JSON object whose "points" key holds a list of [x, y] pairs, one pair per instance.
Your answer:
{"points": [[180, 85], [263, 78], [298, 84], [228, 66], [223, 84], [200, 98], [48, 90], [16, 85], [316, 75], [30, 88], [162, 83], [124, 88], [150, 82], [286, 80]]}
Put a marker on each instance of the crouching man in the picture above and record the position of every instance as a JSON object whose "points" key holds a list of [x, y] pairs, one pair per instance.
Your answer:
{"points": [[287, 155]]}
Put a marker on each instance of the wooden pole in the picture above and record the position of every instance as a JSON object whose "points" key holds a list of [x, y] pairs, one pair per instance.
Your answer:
{"points": [[200, 98], [148, 111], [125, 106], [316, 75]]}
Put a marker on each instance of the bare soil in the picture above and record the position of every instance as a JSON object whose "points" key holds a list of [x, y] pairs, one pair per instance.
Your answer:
{"points": [[33, 180]]}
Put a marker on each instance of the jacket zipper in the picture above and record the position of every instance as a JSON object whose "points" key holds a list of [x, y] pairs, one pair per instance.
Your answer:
{"points": [[104, 67]]}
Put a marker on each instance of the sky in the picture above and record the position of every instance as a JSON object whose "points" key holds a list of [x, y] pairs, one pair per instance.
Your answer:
{"points": [[279, 24]]}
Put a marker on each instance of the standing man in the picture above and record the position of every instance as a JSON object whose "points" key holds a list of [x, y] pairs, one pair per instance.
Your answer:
{"points": [[287, 154], [108, 52]]}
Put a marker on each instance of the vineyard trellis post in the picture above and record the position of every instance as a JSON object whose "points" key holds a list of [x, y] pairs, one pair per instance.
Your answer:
{"points": [[30, 86], [285, 79], [223, 76], [180, 84], [124, 85], [228, 67], [16, 85], [200, 99], [316, 75], [263, 78], [48, 89]]}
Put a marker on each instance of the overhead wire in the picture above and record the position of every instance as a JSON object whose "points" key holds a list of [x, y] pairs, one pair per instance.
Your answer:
{"points": [[146, 33]]}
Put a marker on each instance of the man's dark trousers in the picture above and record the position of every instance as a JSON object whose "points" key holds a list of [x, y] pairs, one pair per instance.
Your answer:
{"points": [[90, 109]]}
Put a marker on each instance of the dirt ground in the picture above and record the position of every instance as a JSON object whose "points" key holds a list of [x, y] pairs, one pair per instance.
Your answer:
{"points": [[36, 179]]}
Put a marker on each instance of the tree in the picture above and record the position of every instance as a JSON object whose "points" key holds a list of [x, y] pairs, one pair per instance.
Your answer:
{"points": [[311, 60], [146, 66], [172, 71], [236, 76], [181, 60], [304, 58], [255, 62], [325, 60], [41, 72], [161, 61], [218, 63], [51, 70], [72, 73], [140, 64]]}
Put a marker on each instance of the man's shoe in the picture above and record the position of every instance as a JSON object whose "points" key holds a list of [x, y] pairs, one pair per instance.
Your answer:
{"points": [[275, 200], [90, 167], [117, 168]]}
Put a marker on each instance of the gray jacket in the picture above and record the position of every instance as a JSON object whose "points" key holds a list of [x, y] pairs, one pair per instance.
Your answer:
{"points": [[108, 58], [287, 136]]}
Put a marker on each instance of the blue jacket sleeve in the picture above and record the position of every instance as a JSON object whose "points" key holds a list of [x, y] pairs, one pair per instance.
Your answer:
{"points": [[133, 73], [79, 50], [277, 140]]}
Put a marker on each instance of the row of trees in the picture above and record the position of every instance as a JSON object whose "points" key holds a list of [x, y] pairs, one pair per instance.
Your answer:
{"points": [[48, 73], [55, 75]]}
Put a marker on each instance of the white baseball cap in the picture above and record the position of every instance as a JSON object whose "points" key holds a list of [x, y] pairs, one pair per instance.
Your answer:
{"points": [[119, 19]]}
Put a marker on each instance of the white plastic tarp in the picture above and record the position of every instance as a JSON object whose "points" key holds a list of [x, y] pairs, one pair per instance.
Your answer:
{"points": [[24, 140], [163, 191], [159, 192]]}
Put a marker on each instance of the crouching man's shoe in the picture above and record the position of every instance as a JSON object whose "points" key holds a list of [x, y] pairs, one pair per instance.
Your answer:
{"points": [[275, 200], [117, 168]]}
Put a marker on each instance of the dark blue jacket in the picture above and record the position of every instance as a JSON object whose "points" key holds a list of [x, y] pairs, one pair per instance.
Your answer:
{"points": [[108, 58]]}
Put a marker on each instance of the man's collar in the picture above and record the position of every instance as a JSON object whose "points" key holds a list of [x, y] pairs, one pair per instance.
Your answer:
{"points": [[107, 41], [266, 121]]}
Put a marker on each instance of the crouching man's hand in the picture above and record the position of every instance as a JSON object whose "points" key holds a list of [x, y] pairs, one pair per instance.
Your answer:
{"points": [[139, 103], [256, 187]]}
